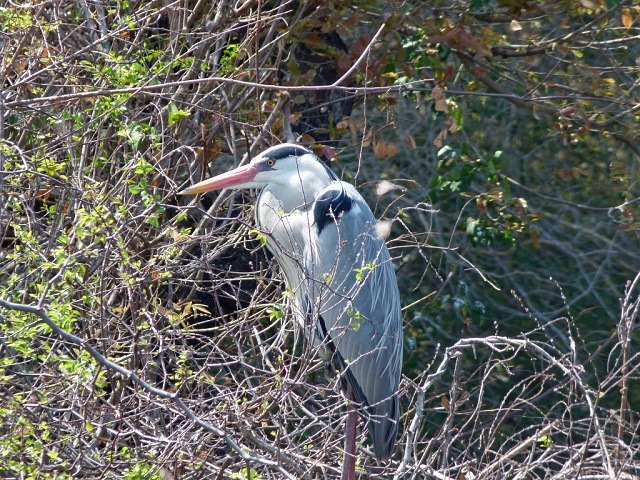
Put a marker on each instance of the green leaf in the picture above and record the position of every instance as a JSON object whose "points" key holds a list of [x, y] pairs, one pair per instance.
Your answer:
{"points": [[246, 474], [545, 441], [260, 237], [143, 167], [175, 115], [153, 220]]}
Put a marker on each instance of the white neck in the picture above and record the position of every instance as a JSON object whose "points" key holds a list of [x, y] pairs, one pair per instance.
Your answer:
{"points": [[299, 190]]}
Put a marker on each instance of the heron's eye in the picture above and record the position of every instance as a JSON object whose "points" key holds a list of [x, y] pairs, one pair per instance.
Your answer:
{"points": [[270, 162]]}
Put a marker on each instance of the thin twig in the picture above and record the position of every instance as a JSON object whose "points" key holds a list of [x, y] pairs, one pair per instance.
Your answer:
{"points": [[136, 379]]}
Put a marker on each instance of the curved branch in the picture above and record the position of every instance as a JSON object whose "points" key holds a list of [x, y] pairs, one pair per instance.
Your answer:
{"points": [[136, 379]]}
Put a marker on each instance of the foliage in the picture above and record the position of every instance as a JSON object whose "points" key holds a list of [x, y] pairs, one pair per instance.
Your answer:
{"points": [[497, 140]]}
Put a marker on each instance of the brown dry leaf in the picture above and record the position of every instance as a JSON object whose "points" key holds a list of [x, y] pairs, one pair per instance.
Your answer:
{"points": [[445, 403], [380, 149], [44, 194], [344, 123], [436, 93], [330, 154], [21, 65], [439, 140], [44, 56], [392, 151], [360, 45], [351, 21], [293, 119], [568, 111], [627, 19], [411, 142]]}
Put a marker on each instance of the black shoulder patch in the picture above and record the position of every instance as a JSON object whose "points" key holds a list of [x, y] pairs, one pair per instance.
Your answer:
{"points": [[331, 204], [283, 151]]}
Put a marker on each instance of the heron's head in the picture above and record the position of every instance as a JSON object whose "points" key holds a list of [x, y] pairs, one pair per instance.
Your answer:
{"points": [[280, 164]]}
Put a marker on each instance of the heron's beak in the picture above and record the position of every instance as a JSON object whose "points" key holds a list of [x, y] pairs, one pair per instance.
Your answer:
{"points": [[237, 178]]}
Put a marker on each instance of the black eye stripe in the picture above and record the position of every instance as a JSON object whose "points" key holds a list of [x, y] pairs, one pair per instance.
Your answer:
{"points": [[284, 151]]}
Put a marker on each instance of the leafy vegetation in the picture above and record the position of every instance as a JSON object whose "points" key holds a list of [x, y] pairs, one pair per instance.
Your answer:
{"points": [[147, 335]]}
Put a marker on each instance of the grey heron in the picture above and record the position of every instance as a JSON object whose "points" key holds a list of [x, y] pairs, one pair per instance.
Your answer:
{"points": [[324, 237]]}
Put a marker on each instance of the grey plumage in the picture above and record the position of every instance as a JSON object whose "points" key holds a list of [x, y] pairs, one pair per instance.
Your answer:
{"points": [[346, 297]]}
